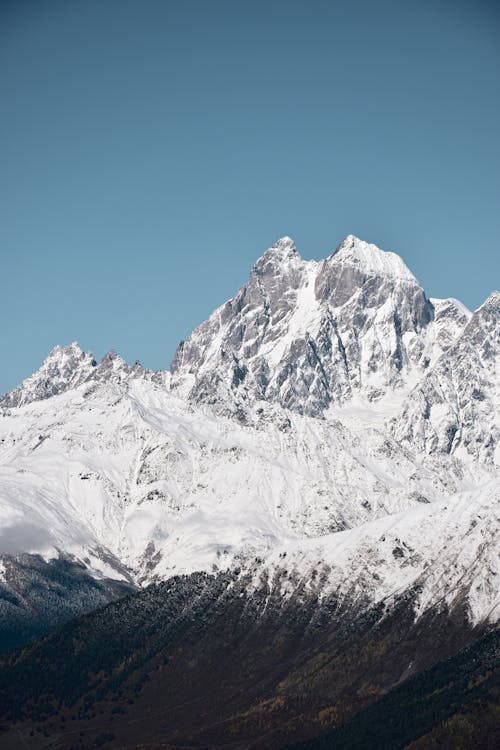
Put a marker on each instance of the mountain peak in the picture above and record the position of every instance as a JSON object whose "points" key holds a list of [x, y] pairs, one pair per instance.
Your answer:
{"points": [[63, 368], [113, 363], [285, 243], [370, 258], [281, 253], [493, 300], [487, 316], [110, 356], [68, 351]]}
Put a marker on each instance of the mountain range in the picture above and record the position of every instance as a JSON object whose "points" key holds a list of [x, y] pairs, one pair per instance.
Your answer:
{"points": [[297, 519]]}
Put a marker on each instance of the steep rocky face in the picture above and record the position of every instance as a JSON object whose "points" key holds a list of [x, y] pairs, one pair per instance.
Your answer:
{"points": [[306, 335], [450, 317], [455, 408]]}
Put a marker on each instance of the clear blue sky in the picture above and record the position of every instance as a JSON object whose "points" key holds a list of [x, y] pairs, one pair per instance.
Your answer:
{"points": [[150, 150]]}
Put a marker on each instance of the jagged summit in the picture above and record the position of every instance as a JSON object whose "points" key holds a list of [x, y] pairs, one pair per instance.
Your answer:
{"points": [[278, 258], [111, 359], [67, 367], [371, 259], [491, 301], [308, 334], [302, 334], [67, 353], [73, 348], [63, 368], [285, 243], [352, 251]]}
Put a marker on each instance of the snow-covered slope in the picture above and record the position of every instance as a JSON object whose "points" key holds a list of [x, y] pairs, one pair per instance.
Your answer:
{"points": [[442, 551], [310, 418]]}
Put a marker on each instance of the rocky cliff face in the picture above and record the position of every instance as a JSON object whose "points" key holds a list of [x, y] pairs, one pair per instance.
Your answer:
{"points": [[455, 408], [306, 335]]}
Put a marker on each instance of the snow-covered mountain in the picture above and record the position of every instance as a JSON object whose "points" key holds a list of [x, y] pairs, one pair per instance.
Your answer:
{"points": [[307, 335], [67, 367], [330, 415]]}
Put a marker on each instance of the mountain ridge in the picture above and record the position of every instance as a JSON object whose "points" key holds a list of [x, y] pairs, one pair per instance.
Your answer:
{"points": [[351, 250]]}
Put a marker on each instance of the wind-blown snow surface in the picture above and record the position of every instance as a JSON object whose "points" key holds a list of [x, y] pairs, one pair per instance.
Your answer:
{"points": [[329, 420]]}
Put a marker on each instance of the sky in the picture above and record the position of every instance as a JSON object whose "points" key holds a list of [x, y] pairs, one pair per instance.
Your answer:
{"points": [[151, 150]]}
